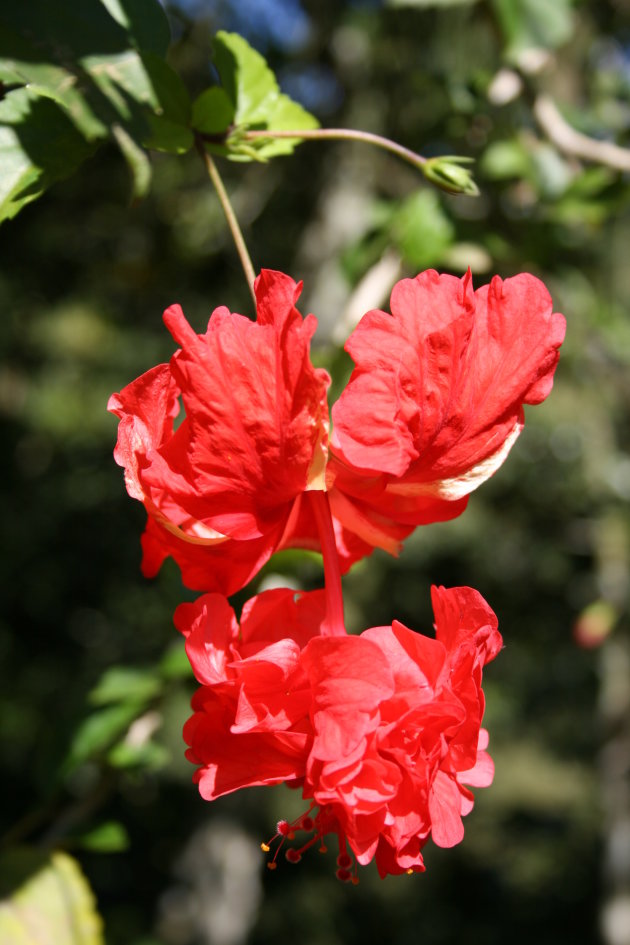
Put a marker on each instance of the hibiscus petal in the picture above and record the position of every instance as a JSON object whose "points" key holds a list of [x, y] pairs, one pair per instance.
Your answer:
{"points": [[482, 775], [210, 628], [256, 410], [435, 400], [447, 828], [146, 408], [463, 616], [233, 761], [253, 440], [223, 565], [349, 680], [280, 613]]}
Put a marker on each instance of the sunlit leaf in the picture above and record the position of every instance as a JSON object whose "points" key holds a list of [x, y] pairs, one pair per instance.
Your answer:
{"points": [[38, 145], [102, 64], [137, 161], [46, 900], [256, 100]]}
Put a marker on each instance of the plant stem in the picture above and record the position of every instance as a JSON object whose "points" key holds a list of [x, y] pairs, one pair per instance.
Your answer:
{"points": [[342, 134], [230, 216], [334, 624]]}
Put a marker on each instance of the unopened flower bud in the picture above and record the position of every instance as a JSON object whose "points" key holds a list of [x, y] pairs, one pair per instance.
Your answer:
{"points": [[449, 174]]}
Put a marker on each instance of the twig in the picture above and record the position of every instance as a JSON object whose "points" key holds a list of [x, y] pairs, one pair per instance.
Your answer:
{"points": [[570, 141]]}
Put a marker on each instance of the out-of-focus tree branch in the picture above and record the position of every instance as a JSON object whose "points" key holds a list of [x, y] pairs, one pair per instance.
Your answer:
{"points": [[573, 142]]}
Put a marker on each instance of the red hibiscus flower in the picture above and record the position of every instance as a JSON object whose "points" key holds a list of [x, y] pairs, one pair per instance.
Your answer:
{"points": [[435, 402], [382, 731], [431, 410], [220, 489]]}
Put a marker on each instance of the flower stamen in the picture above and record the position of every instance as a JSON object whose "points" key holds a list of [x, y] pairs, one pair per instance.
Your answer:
{"points": [[323, 822]]}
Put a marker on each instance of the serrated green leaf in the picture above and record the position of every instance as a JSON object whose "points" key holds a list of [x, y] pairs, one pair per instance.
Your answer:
{"points": [[258, 103], [109, 837], [38, 145], [46, 900], [246, 77], [124, 684], [213, 111]]}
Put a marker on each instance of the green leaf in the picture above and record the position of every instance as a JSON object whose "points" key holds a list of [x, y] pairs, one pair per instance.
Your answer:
{"points": [[137, 161], [76, 28], [108, 837], [124, 684], [421, 230], [165, 135], [101, 63], [148, 755], [144, 21], [38, 145], [25, 64], [143, 78], [175, 663], [99, 731], [213, 111], [257, 103], [46, 900], [503, 160], [534, 24]]}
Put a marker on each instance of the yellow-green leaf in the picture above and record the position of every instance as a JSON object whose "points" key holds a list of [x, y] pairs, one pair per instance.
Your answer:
{"points": [[46, 900]]}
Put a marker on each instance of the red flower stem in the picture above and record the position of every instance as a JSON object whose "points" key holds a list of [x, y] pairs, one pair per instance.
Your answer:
{"points": [[343, 134], [334, 624], [230, 216]]}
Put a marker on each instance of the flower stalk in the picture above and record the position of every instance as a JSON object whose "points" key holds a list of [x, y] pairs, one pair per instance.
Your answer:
{"points": [[230, 216], [341, 134], [447, 173]]}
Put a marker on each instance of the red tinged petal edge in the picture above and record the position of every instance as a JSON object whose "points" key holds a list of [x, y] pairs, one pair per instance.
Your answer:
{"points": [[381, 731], [435, 401], [220, 489]]}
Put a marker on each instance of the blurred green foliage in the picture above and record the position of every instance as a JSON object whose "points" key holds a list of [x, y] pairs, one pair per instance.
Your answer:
{"points": [[95, 685]]}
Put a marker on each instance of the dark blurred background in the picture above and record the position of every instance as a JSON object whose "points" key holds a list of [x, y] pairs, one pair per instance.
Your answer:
{"points": [[84, 279]]}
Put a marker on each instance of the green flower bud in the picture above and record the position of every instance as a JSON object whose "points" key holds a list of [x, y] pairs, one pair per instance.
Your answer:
{"points": [[447, 173]]}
